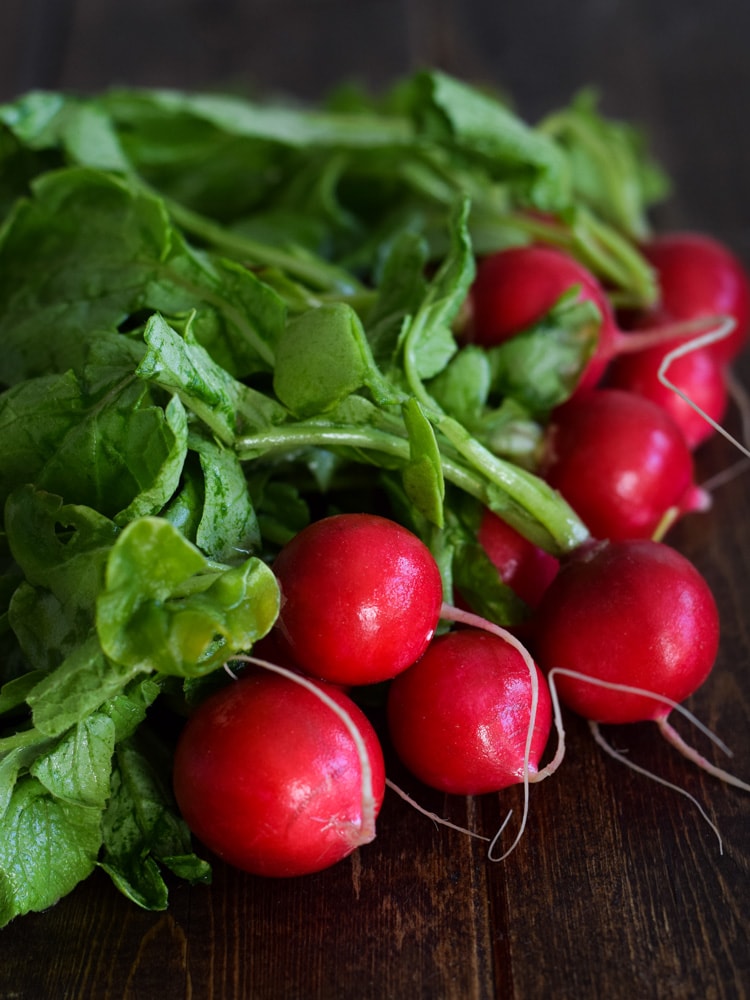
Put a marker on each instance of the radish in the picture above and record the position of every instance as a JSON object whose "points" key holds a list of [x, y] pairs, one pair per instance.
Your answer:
{"points": [[622, 464], [633, 612], [361, 598], [524, 567], [699, 375], [625, 632], [279, 775], [459, 717], [699, 277], [477, 689], [515, 288]]}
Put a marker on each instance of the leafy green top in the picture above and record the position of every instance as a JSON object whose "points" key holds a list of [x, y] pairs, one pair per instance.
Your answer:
{"points": [[217, 316]]}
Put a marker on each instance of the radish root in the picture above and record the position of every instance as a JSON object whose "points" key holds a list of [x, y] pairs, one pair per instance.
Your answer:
{"points": [[724, 326], [450, 613], [618, 756], [669, 733], [637, 340], [672, 737], [434, 816], [739, 396], [441, 821]]}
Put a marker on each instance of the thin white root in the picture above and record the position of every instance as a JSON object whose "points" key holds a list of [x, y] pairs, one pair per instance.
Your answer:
{"points": [[629, 689], [618, 756], [368, 805], [441, 821], [450, 613], [737, 468], [496, 838], [739, 396], [431, 815], [724, 326], [638, 340], [672, 737]]}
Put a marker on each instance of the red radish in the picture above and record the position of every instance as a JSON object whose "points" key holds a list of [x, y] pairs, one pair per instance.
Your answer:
{"points": [[517, 287], [622, 464], [269, 776], [698, 374], [361, 598], [523, 566], [699, 277], [459, 717], [634, 613]]}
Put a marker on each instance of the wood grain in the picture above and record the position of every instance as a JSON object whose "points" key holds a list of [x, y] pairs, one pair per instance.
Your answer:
{"points": [[618, 888]]}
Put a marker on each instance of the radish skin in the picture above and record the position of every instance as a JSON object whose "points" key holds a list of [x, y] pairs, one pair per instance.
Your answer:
{"points": [[361, 598], [458, 615], [279, 775], [621, 463], [632, 612]]}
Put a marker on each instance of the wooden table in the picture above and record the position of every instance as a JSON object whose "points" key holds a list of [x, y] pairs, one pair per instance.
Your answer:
{"points": [[618, 889]]}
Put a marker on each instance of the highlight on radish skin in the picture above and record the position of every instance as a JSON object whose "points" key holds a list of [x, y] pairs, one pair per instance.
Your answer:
{"points": [[468, 618], [361, 598], [459, 717], [633, 612], [625, 633], [505, 706]]}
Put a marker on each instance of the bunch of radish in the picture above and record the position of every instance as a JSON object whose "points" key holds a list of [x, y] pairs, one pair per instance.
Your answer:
{"points": [[281, 772]]}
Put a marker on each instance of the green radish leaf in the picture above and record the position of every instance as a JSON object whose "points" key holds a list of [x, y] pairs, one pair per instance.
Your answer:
{"points": [[228, 529], [540, 367], [478, 127], [142, 829], [81, 684], [47, 846], [164, 608], [78, 768], [62, 550], [321, 358], [179, 364], [610, 167], [462, 388], [428, 340]]}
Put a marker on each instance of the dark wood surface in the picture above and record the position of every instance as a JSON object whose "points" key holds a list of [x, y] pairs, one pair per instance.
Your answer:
{"points": [[618, 889]]}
